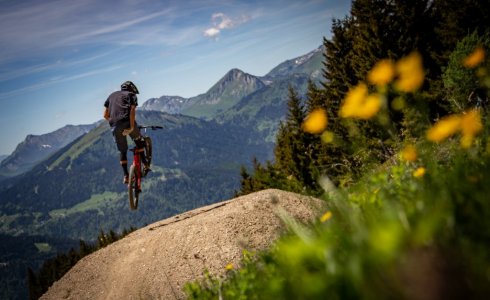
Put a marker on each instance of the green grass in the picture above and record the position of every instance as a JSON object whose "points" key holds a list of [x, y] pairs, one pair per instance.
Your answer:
{"points": [[85, 142], [96, 202], [43, 247]]}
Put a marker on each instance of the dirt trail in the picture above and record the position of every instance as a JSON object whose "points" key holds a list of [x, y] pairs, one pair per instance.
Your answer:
{"points": [[156, 261]]}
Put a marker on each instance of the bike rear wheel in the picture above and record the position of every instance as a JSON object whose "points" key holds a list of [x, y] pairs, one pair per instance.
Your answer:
{"points": [[133, 190]]}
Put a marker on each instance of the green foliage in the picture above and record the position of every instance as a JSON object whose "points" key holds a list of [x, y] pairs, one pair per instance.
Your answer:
{"points": [[387, 234], [464, 88], [291, 170]]}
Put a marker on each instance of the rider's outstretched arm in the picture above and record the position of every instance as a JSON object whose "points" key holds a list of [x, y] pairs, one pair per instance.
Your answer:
{"points": [[132, 116]]}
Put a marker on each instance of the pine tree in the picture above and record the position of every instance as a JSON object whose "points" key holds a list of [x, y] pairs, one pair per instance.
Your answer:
{"points": [[293, 155], [314, 97], [246, 182], [463, 88], [338, 73]]}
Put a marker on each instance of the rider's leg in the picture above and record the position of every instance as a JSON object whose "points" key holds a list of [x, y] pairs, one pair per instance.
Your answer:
{"points": [[124, 164], [122, 146]]}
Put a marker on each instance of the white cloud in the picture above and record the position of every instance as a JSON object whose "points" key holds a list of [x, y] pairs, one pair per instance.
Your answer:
{"points": [[221, 21], [225, 21], [212, 32]]}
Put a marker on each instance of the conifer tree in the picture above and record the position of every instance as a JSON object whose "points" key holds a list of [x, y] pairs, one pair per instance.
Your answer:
{"points": [[338, 73], [464, 89], [293, 154], [246, 182], [314, 97]]}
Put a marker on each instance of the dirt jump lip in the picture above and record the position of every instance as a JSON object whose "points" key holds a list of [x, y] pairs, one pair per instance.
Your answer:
{"points": [[155, 262]]}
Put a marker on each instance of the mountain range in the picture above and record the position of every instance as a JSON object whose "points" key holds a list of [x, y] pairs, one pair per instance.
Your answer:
{"points": [[35, 148], [74, 189], [236, 85]]}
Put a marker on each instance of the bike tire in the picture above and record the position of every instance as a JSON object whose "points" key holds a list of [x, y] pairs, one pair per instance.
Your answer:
{"points": [[133, 191], [148, 149]]}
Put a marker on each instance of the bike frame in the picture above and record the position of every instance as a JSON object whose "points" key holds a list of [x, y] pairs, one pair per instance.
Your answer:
{"points": [[137, 166], [136, 172]]}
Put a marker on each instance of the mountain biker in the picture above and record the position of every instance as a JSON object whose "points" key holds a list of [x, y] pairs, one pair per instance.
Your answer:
{"points": [[120, 111]]}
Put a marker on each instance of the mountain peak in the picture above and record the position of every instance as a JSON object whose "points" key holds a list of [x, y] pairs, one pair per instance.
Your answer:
{"points": [[236, 71], [305, 64], [236, 74], [230, 89]]}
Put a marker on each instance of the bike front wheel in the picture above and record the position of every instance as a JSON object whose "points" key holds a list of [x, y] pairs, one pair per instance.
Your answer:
{"points": [[133, 189]]}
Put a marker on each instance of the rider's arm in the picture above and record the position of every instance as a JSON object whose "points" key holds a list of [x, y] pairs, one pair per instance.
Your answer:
{"points": [[106, 114], [132, 116]]}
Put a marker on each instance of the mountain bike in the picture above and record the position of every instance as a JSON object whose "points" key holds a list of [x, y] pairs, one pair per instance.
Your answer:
{"points": [[136, 172]]}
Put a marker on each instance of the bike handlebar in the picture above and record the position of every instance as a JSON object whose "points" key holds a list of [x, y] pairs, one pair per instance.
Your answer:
{"points": [[151, 127]]}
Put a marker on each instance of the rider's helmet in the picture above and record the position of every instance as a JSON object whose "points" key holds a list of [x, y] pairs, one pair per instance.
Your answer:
{"points": [[130, 87]]}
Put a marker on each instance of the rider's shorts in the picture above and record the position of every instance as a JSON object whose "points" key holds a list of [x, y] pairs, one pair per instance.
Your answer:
{"points": [[121, 140]]}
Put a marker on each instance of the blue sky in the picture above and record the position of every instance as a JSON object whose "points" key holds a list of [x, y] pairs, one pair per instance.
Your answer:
{"points": [[60, 59]]}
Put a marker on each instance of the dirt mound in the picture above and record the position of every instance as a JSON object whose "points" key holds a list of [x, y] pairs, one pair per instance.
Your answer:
{"points": [[156, 261]]}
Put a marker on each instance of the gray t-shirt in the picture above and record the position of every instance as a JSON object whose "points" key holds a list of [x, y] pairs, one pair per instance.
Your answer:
{"points": [[119, 105]]}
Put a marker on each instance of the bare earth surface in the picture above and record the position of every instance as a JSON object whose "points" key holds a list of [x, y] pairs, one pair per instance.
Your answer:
{"points": [[156, 261]]}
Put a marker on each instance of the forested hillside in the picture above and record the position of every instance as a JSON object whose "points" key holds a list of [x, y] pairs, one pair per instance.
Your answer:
{"points": [[194, 163], [396, 140]]}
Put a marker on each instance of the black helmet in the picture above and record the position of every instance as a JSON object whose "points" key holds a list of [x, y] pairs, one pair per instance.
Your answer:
{"points": [[130, 87]]}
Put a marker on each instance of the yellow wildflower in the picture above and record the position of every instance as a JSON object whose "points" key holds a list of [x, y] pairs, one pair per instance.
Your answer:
{"points": [[229, 267], [409, 153], [316, 121], [370, 108], [444, 128], [359, 104], [419, 172], [470, 126], [326, 216], [469, 123], [353, 100], [382, 73], [475, 58], [410, 73]]}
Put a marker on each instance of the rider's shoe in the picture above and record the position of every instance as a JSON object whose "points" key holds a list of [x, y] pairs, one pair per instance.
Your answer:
{"points": [[146, 170], [126, 179]]}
